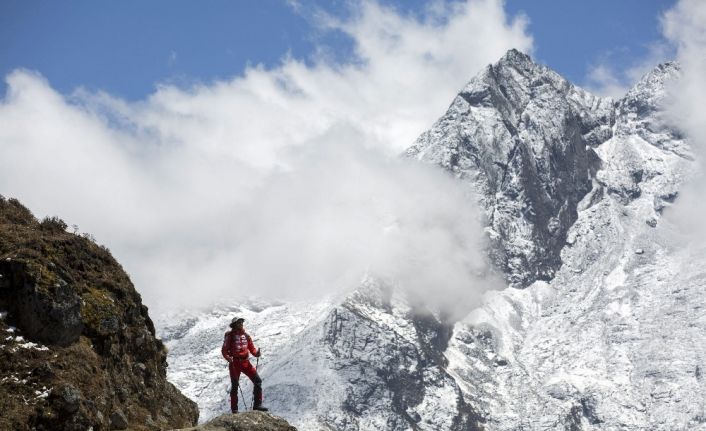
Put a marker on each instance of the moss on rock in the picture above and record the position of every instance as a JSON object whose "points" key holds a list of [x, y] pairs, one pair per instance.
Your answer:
{"points": [[77, 346]]}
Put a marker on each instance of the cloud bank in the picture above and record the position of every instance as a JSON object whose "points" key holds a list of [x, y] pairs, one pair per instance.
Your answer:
{"points": [[277, 182], [684, 26], [604, 79]]}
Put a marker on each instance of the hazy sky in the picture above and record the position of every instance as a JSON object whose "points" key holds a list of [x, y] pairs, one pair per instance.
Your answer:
{"points": [[226, 148]]}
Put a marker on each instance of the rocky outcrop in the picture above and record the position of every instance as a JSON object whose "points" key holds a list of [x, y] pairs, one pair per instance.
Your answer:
{"points": [[247, 421], [524, 136], [77, 346]]}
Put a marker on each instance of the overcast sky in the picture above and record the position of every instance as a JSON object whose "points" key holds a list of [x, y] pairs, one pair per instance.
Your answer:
{"points": [[251, 147]]}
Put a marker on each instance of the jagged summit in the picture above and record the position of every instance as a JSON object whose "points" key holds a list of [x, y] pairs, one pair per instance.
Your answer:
{"points": [[515, 56], [653, 84], [523, 135], [647, 97], [517, 67], [650, 85], [524, 64]]}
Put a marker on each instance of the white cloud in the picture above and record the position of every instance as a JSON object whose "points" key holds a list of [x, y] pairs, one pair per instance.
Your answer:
{"points": [[605, 79], [277, 179], [684, 26]]}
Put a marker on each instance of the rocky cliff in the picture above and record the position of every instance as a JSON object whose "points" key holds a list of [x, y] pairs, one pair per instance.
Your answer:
{"points": [[77, 347]]}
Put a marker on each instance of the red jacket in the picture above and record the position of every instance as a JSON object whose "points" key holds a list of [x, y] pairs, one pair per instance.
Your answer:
{"points": [[236, 345]]}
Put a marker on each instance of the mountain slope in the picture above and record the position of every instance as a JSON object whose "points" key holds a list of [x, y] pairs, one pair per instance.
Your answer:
{"points": [[615, 340]]}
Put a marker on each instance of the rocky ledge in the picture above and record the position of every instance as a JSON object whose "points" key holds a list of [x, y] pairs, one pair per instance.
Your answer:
{"points": [[248, 421], [77, 347]]}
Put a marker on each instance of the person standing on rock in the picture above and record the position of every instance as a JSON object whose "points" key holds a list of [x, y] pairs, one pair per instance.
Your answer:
{"points": [[237, 346]]}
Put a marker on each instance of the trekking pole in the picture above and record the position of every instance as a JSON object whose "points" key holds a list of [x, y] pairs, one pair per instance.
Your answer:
{"points": [[242, 395], [257, 363]]}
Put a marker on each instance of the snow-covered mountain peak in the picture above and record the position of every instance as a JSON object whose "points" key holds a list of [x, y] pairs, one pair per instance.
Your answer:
{"points": [[641, 111], [610, 341], [649, 92], [523, 136], [520, 79], [515, 56], [510, 83]]}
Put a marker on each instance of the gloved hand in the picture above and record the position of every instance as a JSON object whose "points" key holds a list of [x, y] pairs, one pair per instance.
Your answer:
{"points": [[229, 359], [259, 352]]}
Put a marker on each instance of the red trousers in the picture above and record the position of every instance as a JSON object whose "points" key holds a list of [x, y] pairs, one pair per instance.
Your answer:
{"points": [[243, 366]]}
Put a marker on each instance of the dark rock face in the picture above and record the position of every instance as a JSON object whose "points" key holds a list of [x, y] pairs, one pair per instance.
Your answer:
{"points": [[523, 135], [49, 317], [248, 421], [404, 368], [77, 347], [118, 421], [70, 398]]}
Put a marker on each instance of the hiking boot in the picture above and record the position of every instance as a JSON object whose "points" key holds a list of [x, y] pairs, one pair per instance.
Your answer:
{"points": [[260, 408]]}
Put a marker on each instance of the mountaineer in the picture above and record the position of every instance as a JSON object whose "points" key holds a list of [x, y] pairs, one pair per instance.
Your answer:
{"points": [[237, 346]]}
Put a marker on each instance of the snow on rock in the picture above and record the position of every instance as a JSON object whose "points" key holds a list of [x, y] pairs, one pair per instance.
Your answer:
{"points": [[523, 135], [620, 343]]}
